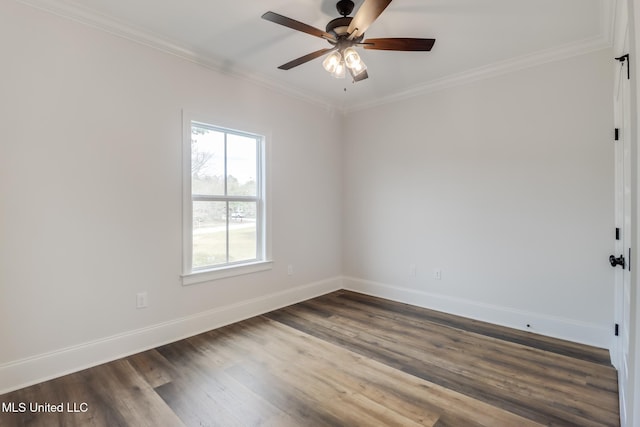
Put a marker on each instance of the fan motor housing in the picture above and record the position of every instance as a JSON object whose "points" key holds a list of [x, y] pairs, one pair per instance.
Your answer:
{"points": [[339, 26]]}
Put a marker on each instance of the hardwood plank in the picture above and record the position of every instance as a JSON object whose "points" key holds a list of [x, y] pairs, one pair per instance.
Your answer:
{"points": [[296, 405], [124, 394], [154, 368], [201, 378]]}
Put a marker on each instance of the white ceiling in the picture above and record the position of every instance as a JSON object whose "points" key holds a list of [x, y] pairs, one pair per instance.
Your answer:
{"points": [[473, 38]]}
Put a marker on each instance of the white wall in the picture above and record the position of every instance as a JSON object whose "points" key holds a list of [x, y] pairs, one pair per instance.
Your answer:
{"points": [[505, 184], [90, 185]]}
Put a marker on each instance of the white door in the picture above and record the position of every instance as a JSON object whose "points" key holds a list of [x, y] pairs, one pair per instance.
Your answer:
{"points": [[623, 223]]}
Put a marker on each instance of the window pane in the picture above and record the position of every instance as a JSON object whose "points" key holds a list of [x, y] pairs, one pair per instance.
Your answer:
{"points": [[243, 238], [207, 161], [241, 165], [209, 233]]}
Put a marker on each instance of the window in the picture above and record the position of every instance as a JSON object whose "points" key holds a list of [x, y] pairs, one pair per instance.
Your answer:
{"points": [[224, 208]]}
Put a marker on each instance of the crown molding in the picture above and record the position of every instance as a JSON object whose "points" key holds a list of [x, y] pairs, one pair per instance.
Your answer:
{"points": [[608, 27], [144, 37], [491, 70], [602, 41]]}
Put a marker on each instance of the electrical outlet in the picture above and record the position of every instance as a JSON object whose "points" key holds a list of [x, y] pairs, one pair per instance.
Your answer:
{"points": [[412, 270], [290, 270], [142, 300], [437, 274]]}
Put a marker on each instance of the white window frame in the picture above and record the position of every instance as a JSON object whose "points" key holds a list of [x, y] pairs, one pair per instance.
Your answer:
{"points": [[262, 262]]}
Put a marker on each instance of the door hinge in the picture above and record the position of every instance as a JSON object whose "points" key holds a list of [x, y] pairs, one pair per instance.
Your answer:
{"points": [[617, 233], [625, 58], [616, 134], [617, 330]]}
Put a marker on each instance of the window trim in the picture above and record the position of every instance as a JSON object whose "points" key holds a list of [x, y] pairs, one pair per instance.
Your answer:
{"points": [[228, 270], [191, 275]]}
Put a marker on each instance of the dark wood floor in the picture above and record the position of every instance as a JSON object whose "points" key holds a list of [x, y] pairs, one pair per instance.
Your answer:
{"points": [[343, 359]]}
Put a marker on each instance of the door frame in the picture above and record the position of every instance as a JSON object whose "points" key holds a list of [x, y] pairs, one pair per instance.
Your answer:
{"points": [[623, 214], [628, 21]]}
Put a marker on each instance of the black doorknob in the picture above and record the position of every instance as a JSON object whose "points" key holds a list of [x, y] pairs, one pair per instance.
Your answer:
{"points": [[617, 261]]}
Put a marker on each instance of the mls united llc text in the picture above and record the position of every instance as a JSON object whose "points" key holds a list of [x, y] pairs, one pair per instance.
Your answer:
{"points": [[35, 407]]}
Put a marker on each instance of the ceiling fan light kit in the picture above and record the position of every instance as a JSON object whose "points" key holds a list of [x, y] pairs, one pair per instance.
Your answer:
{"points": [[339, 60], [345, 34]]}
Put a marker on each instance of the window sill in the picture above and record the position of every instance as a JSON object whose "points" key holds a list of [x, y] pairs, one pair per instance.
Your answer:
{"points": [[225, 272]]}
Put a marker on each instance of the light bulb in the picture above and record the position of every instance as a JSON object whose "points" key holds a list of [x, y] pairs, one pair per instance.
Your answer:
{"points": [[332, 62], [358, 69], [351, 58], [340, 71]]}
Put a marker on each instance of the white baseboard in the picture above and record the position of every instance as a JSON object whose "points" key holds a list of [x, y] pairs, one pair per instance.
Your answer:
{"points": [[43, 367], [624, 417], [557, 327]]}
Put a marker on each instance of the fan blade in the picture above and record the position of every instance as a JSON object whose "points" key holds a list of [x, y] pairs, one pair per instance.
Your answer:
{"points": [[297, 25], [306, 58], [402, 44], [364, 17]]}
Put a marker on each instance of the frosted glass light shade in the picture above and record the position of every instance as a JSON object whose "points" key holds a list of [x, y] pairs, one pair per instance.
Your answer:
{"points": [[332, 62], [351, 58], [340, 71]]}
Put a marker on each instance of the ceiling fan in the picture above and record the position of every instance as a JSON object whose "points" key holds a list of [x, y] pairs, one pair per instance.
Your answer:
{"points": [[345, 34]]}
